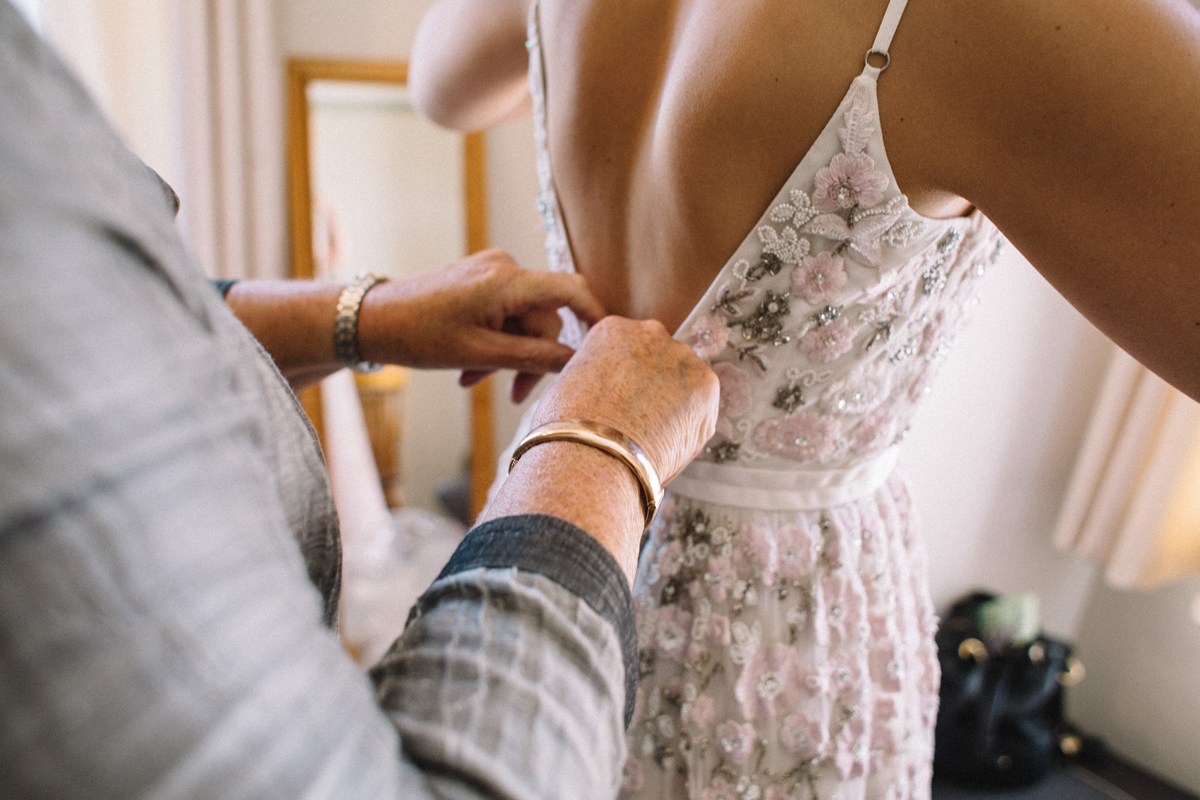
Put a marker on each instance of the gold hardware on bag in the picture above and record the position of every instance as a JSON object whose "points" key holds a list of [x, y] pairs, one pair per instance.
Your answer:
{"points": [[972, 648], [1070, 744], [1074, 674]]}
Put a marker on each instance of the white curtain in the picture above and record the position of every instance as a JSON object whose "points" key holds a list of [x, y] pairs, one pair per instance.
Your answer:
{"points": [[1134, 498], [196, 89], [231, 90]]}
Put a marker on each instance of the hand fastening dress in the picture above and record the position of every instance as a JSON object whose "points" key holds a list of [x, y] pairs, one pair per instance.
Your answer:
{"points": [[784, 619]]}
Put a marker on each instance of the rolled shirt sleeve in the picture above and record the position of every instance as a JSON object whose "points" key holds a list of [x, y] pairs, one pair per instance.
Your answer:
{"points": [[518, 665]]}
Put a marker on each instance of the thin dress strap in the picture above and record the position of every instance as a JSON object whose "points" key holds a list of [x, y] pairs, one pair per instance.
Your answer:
{"points": [[883, 39]]}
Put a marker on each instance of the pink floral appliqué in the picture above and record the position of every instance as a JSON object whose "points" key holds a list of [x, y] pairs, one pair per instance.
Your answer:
{"points": [[718, 630], [819, 279], [720, 789], [770, 683], [851, 749], [816, 682], [843, 607], [797, 552], [851, 179], [825, 343], [845, 676], [670, 559], [736, 740], [703, 710], [883, 747], [874, 434], [631, 775], [735, 389], [720, 578], [674, 627], [709, 336], [803, 736], [803, 436], [754, 553], [860, 392], [885, 667]]}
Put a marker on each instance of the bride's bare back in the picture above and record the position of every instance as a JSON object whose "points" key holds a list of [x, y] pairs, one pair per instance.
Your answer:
{"points": [[671, 130], [673, 123]]}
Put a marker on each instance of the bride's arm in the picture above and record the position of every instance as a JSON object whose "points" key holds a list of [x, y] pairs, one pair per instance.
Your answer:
{"points": [[468, 65], [1075, 126]]}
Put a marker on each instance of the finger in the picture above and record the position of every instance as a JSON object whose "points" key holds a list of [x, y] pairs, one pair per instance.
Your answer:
{"points": [[543, 322], [497, 350], [556, 289], [522, 385], [469, 377]]}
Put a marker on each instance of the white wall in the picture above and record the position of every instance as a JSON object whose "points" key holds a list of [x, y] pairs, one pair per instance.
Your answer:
{"points": [[379, 29], [1142, 691]]}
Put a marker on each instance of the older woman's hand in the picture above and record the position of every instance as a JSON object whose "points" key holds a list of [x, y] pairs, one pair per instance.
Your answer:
{"points": [[479, 314], [633, 377]]}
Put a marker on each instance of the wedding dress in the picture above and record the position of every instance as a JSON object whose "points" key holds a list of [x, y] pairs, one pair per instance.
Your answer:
{"points": [[784, 619]]}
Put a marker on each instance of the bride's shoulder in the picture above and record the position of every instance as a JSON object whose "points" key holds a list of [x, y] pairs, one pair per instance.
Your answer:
{"points": [[1059, 86], [1069, 123]]}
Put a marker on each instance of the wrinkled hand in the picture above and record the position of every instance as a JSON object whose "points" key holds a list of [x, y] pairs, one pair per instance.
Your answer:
{"points": [[480, 314], [634, 377]]}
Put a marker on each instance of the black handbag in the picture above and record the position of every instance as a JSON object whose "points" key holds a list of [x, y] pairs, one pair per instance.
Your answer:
{"points": [[1000, 723]]}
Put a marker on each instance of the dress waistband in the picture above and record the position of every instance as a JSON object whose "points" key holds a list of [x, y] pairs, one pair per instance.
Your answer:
{"points": [[782, 490]]}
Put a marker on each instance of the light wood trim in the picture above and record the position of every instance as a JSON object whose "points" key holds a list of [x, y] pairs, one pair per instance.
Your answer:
{"points": [[483, 422], [310, 401], [299, 73], [475, 191]]}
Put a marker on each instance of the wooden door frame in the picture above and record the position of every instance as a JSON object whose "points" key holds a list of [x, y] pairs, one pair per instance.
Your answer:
{"points": [[301, 72]]}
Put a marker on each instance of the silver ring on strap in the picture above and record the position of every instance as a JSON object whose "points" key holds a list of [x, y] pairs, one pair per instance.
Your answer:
{"points": [[887, 59]]}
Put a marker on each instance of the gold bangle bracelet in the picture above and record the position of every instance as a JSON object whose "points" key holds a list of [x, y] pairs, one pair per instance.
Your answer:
{"points": [[608, 440]]}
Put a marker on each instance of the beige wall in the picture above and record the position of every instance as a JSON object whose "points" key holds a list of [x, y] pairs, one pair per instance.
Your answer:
{"points": [[1142, 692]]}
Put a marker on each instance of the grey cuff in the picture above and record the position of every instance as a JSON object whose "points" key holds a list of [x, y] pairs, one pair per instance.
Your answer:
{"points": [[223, 285], [570, 557]]}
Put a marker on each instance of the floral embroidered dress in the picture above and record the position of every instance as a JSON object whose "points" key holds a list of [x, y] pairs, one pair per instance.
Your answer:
{"points": [[784, 620]]}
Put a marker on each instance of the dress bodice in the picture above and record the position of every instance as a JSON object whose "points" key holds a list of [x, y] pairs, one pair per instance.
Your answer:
{"points": [[828, 322]]}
